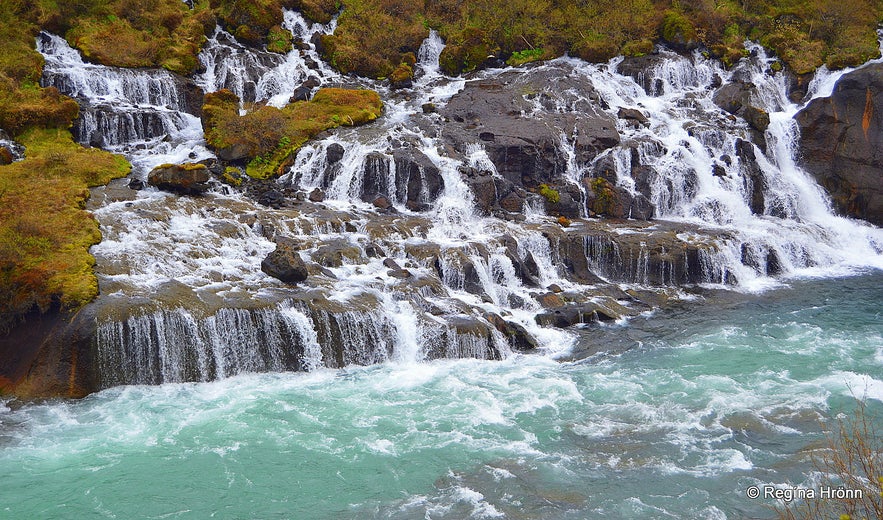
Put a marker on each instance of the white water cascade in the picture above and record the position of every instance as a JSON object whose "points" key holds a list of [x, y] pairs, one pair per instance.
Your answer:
{"points": [[432, 275]]}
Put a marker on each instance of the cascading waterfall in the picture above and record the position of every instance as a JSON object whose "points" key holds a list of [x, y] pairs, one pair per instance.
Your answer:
{"points": [[145, 114], [255, 75], [431, 276], [699, 175]]}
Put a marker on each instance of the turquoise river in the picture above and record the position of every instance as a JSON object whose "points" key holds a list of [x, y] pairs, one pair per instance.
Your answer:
{"points": [[684, 411]]}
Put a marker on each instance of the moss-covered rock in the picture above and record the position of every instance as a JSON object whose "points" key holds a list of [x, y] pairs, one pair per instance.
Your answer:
{"points": [[279, 40], [267, 137]]}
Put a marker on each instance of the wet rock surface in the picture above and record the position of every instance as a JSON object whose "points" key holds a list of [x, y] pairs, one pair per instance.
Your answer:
{"points": [[519, 117], [187, 178], [285, 262], [841, 142]]}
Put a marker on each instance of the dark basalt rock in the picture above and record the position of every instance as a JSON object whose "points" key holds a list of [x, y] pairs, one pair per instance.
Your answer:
{"points": [[640, 68], [841, 143], [49, 355], [188, 178], [736, 98], [633, 116], [272, 198], [418, 179], [756, 183], [305, 90], [516, 335], [502, 116], [285, 263], [334, 153], [574, 314]]}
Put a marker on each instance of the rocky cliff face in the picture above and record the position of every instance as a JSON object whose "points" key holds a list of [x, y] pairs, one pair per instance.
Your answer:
{"points": [[841, 143]]}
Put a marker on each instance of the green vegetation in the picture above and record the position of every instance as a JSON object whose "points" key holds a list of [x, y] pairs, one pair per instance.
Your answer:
{"points": [[279, 40], [45, 233], [604, 196], [525, 56], [373, 35], [268, 137], [128, 33], [549, 193]]}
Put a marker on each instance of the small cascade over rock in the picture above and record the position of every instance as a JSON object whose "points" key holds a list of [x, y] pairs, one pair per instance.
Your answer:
{"points": [[255, 75], [118, 106], [147, 114], [478, 217]]}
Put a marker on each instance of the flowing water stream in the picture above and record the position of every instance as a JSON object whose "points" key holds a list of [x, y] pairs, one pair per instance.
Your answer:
{"points": [[688, 407]]}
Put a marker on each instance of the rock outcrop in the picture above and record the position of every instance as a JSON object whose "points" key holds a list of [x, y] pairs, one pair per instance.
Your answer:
{"points": [[187, 178], [285, 262], [841, 143], [517, 118]]}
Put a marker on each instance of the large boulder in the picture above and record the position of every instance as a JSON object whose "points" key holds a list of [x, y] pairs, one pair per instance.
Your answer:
{"points": [[187, 178], [737, 98], [520, 119], [841, 143], [285, 263]]}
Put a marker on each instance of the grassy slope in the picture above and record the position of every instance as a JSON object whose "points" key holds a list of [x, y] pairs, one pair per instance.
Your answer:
{"points": [[374, 36]]}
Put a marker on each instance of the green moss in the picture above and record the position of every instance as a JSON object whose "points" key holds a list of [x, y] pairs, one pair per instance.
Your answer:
{"points": [[232, 176], [677, 28], [279, 40], [596, 49], [374, 36], [133, 33], [549, 193], [604, 196], [269, 137], [402, 73], [45, 234], [525, 56], [638, 47]]}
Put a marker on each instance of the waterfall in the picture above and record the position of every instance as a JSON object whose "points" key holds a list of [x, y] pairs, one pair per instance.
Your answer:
{"points": [[146, 114], [256, 75], [405, 263], [705, 168], [175, 345]]}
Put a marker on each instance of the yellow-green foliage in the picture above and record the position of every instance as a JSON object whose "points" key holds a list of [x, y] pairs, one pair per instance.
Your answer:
{"points": [[22, 101], [279, 40], [402, 73], [232, 176], [135, 33], [45, 233], [269, 136], [549, 193], [604, 196], [372, 34]]}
